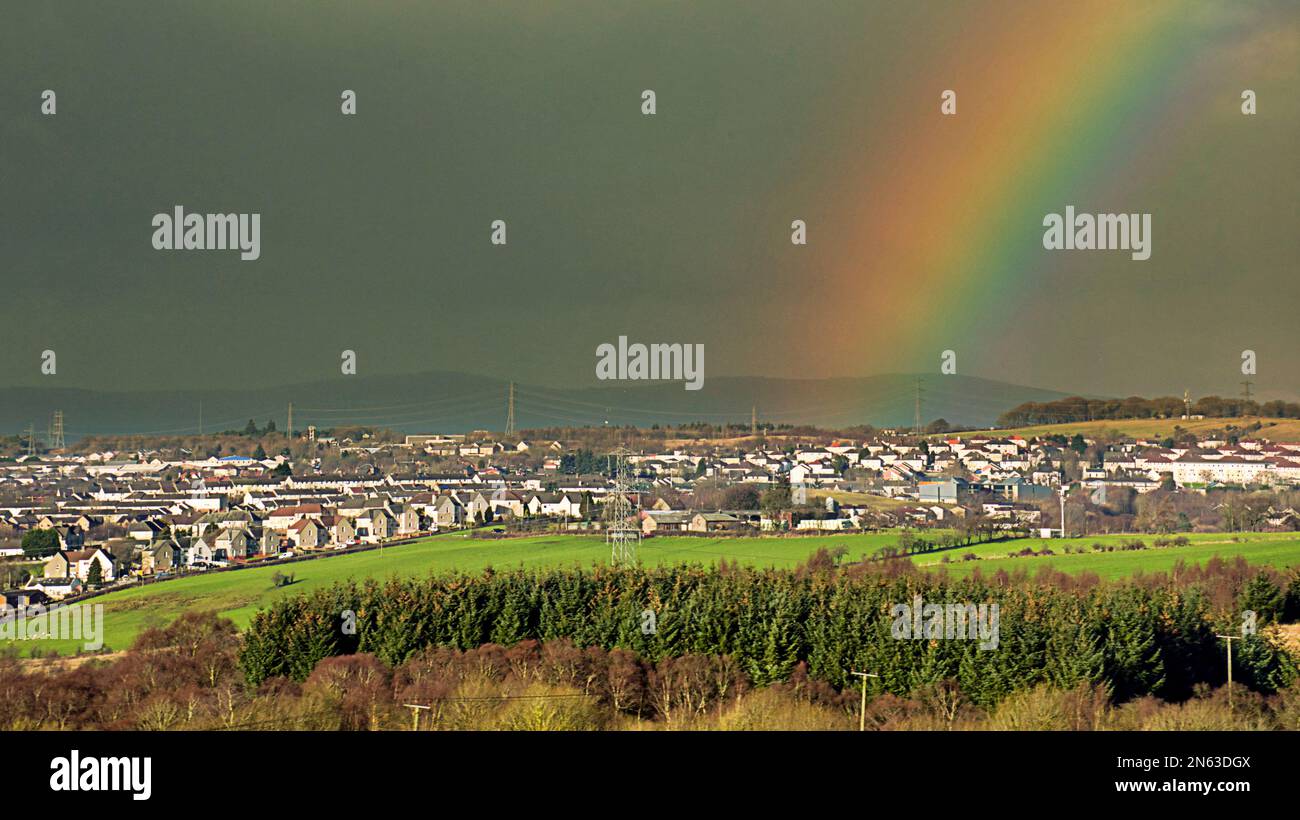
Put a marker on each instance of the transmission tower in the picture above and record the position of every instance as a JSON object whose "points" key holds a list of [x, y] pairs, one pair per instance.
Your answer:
{"points": [[1245, 391], [510, 411], [56, 432], [917, 419], [31, 440], [622, 527], [753, 421]]}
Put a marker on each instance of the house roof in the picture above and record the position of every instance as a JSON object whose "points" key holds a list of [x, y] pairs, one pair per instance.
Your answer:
{"points": [[81, 555]]}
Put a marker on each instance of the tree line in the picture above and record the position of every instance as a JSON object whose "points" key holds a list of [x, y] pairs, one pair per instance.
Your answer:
{"points": [[1137, 639], [187, 676], [1078, 408]]}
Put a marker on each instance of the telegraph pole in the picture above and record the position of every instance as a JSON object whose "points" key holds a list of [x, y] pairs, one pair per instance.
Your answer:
{"points": [[1229, 639], [1061, 491], [415, 714], [862, 715]]}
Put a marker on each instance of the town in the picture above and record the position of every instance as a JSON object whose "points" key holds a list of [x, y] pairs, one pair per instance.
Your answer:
{"points": [[72, 522]]}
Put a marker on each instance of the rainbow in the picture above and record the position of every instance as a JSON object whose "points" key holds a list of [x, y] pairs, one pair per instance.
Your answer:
{"points": [[947, 211]]}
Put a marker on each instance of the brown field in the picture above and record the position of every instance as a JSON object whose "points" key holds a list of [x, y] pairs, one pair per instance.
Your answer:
{"points": [[1272, 429]]}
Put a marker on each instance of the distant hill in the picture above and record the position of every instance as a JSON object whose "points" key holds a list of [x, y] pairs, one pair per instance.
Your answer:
{"points": [[459, 402]]}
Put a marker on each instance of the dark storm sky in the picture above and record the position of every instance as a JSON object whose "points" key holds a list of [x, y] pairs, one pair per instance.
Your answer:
{"points": [[375, 227]]}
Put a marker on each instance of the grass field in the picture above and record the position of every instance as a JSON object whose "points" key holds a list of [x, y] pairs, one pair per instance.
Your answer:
{"points": [[237, 595], [1273, 429], [1272, 549]]}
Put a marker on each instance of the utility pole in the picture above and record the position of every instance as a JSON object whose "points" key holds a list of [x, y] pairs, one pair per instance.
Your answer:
{"points": [[290, 421], [862, 715], [415, 714], [1062, 490], [510, 411], [1229, 639]]}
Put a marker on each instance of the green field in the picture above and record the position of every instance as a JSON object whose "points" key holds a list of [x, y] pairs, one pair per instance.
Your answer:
{"points": [[1272, 549], [237, 595]]}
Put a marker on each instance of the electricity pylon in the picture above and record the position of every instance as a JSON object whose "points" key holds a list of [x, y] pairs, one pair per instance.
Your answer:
{"points": [[622, 527], [510, 411], [56, 432]]}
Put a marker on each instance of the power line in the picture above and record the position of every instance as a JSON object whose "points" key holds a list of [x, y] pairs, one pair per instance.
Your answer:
{"points": [[513, 697], [803, 412], [250, 724], [474, 404], [480, 394]]}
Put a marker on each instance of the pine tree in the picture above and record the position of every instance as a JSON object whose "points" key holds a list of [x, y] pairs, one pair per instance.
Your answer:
{"points": [[1263, 666], [1134, 664], [1264, 598], [513, 621]]}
